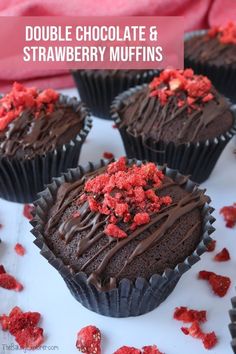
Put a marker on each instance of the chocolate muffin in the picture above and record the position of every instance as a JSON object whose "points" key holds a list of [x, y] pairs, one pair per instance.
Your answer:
{"points": [[122, 226], [213, 53], [41, 134], [97, 88], [179, 119]]}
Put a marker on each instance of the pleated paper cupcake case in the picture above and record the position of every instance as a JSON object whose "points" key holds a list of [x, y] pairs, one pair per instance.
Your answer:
{"points": [[223, 77], [98, 90], [21, 180], [128, 298], [194, 159], [232, 325]]}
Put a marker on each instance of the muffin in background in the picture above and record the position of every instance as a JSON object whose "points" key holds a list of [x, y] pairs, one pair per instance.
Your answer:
{"points": [[41, 134], [179, 119], [213, 53], [98, 88], [121, 235]]}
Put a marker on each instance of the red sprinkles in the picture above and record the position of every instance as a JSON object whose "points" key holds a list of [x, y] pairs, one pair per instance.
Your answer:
{"points": [[20, 250], [222, 256], [89, 340], [125, 194], [219, 284], [27, 211], [225, 34], [229, 214]]}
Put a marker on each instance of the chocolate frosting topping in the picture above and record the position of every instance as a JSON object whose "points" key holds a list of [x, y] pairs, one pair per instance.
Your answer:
{"points": [[171, 235], [143, 115], [27, 135]]}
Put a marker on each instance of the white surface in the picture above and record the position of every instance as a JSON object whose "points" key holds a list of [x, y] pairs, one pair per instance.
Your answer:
{"points": [[46, 292]]}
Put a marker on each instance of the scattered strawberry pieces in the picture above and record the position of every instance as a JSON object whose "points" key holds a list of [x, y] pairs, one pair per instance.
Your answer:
{"points": [[127, 350], [127, 195], [211, 246], [222, 256], [89, 340], [229, 214], [8, 282], [21, 98], [108, 155], [188, 315], [20, 250], [150, 349], [209, 340], [27, 211], [197, 88], [220, 284], [225, 34], [23, 326]]}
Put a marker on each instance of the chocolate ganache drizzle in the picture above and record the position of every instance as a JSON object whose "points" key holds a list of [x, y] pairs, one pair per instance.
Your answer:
{"points": [[76, 234]]}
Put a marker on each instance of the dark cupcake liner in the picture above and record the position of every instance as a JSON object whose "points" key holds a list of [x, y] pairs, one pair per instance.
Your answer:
{"points": [[98, 89], [232, 325], [128, 298], [22, 179], [222, 77], [194, 159]]}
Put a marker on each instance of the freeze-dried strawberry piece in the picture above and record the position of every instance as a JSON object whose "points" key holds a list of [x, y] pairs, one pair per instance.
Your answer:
{"points": [[222, 256], [30, 338], [220, 284], [4, 322], [229, 214], [209, 340], [211, 246], [4, 319], [114, 231], [2, 269], [127, 350], [188, 315], [20, 250], [108, 155], [8, 282], [23, 320], [151, 349], [89, 340], [27, 211]]}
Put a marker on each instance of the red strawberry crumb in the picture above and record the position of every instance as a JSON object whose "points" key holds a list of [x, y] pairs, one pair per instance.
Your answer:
{"points": [[229, 214], [151, 349], [20, 250], [30, 338], [108, 155], [2, 269], [209, 340], [89, 340], [187, 315], [225, 34], [8, 282], [222, 256], [127, 350], [27, 211], [114, 231], [220, 284], [211, 246]]}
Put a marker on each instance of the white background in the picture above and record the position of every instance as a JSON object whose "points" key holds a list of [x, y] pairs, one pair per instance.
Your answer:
{"points": [[46, 292]]}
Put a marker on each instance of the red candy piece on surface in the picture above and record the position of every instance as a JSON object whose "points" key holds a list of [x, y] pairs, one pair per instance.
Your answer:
{"points": [[150, 349], [27, 211], [188, 315], [20, 250], [30, 338], [89, 340], [222, 256], [127, 350], [211, 246], [8, 282], [220, 284], [108, 155], [229, 214]]}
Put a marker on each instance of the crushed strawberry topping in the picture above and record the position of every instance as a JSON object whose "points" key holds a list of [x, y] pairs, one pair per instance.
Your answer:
{"points": [[89, 340], [229, 214], [211, 246], [23, 326], [222, 256], [126, 195], [8, 282], [108, 155], [27, 211], [189, 89], [225, 34], [188, 315], [209, 340], [21, 98], [148, 349], [219, 284], [20, 250], [151, 349]]}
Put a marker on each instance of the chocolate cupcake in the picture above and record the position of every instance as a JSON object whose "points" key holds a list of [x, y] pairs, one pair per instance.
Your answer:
{"points": [[41, 134], [97, 88], [121, 235], [179, 119], [213, 53], [232, 325]]}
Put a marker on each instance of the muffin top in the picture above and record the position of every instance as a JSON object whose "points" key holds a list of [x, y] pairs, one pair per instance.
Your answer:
{"points": [[124, 220], [216, 47], [34, 122], [177, 106]]}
